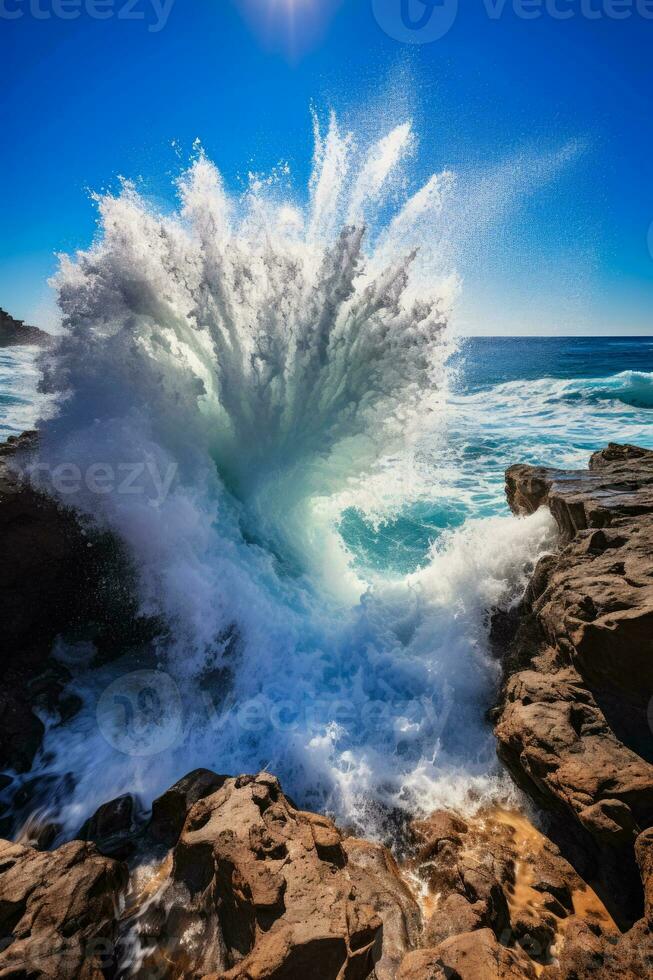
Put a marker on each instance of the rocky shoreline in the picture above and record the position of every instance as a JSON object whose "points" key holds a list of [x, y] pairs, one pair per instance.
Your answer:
{"points": [[573, 727], [227, 878], [17, 333]]}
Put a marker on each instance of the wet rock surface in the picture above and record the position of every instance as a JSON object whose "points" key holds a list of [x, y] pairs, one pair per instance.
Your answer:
{"points": [[262, 888], [59, 578], [499, 899], [252, 887], [574, 722]]}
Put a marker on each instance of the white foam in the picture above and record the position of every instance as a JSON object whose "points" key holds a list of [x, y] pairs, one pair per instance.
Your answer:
{"points": [[286, 362]]}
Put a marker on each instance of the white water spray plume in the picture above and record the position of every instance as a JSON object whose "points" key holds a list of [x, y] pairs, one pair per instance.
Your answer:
{"points": [[287, 362]]}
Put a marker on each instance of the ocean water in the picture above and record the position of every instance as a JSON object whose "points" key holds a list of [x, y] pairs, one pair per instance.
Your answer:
{"points": [[262, 395], [19, 399], [548, 401]]}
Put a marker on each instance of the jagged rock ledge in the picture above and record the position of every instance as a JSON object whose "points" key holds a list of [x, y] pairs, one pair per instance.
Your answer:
{"points": [[574, 722], [226, 879]]}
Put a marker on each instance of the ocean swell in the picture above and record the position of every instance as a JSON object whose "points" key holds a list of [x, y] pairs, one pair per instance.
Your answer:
{"points": [[633, 388]]}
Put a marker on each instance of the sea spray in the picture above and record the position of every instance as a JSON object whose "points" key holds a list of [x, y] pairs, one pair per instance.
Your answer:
{"points": [[273, 353], [288, 361]]}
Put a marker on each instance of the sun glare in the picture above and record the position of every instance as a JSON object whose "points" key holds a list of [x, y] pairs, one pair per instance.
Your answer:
{"points": [[292, 25]]}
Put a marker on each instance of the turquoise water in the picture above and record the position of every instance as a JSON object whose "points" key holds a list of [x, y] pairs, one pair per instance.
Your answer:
{"points": [[549, 401]]}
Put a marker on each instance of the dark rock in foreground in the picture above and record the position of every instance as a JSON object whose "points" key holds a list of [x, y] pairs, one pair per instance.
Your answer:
{"points": [[14, 333], [574, 724], [59, 578]]}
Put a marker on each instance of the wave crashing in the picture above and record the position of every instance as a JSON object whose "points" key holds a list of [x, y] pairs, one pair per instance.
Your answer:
{"points": [[284, 361]]}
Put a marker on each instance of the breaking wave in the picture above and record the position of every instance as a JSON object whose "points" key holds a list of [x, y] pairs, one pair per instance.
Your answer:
{"points": [[633, 388], [271, 373]]}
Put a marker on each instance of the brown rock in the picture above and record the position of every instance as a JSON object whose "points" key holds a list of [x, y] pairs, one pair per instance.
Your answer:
{"points": [[169, 810], [378, 882], [468, 859], [618, 484], [113, 827], [266, 891], [497, 871], [573, 726], [255, 888], [15, 333], [644, 856], [454, 915], [470, 956], [58, 911], [423, 964], [585, 953]]}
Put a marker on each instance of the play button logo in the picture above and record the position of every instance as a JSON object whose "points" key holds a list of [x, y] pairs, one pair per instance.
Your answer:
{"points": [[415, 21]]}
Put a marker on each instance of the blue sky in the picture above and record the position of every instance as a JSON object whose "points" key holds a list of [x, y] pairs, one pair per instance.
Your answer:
{"points": [[85, 99]]}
